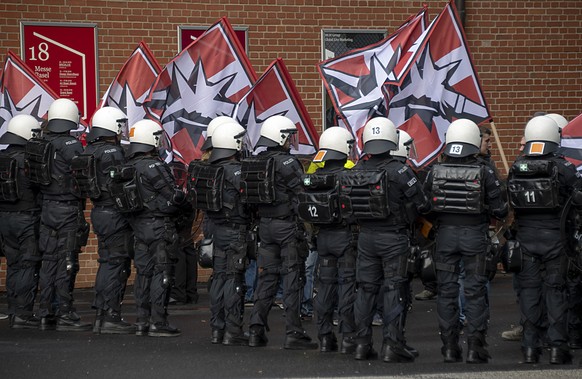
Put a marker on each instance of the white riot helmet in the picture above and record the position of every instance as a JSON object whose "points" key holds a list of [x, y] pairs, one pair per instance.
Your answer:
{"points": [[214, 123], [542, 136], [406, 148], [276, 130], [334, 143], [20, 129], [63, 116], [379, 136], [107, 122], [463, 138], [144, 136], [227, 141], [558, 119]]}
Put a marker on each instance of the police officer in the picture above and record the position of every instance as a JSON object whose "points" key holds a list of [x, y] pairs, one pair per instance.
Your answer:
{"points": [[335, 241], [61, 217], [207, 224], [280, 253], [539, 184], [154, 230], [465, 193], [19, 222], [114, 235], [383, 242], [231, 221]]}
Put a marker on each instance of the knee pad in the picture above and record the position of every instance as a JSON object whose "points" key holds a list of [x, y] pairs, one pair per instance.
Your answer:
{"points": [[328, 270], [369, 287]]}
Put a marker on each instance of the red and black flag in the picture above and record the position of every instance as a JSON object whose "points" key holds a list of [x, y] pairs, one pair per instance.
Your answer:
{"points": [[23, 92], [355, 80], [205, 80], [132, 84], [441, 86], [571, 143], [274, 93]]}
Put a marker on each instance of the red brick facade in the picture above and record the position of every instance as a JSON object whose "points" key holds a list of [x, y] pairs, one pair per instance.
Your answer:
{"points": [[528, 54]]}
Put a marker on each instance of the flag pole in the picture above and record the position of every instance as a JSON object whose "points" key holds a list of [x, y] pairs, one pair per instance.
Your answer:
{"points": [[501, 152]]}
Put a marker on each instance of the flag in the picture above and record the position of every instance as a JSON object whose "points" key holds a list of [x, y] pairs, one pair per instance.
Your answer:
{"points": [[571, 144], [23, 92], [354, 80], [275, 94], [441, 86], [132, 84], [205, 80]]}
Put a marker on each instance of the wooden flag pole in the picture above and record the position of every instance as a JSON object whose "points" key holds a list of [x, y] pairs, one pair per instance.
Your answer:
{"points": [[501, 152]]}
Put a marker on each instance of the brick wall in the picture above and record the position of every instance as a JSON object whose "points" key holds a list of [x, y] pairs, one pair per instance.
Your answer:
{"points": [[527, 54]]}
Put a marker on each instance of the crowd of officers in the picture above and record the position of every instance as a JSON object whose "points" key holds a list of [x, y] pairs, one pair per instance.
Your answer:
{"points": [[362, 221]]}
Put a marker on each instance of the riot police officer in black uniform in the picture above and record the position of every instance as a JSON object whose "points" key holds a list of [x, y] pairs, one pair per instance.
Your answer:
{"points": [[114, 235], [539, 184], [319, 205], [383, 242], [49, 163], [231, 221], [154, 229], [465, 193], [279, 254], [19, 222]]}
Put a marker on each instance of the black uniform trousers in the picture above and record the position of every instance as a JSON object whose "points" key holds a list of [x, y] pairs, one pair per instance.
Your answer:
{"points": [[542, 279], [278, 256], [227, 285], [456, 243], [336, 280], [60, 223], [380, 253], [115, 249], [19, 236], [155, 241]]}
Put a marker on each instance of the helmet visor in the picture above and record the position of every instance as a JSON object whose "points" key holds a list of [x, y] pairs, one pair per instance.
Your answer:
{"points": [[163, 143], [411, 148], [352, 150], [293, 138]]}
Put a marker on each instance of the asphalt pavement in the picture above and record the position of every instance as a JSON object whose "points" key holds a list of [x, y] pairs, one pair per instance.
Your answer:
{"points": [[51, 354]]}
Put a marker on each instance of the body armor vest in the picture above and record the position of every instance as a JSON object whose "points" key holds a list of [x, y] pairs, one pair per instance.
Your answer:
{"points": [[84, 171], [9, 179], [457, 189], [364, 194], [38, 160], [205, 183], [534, 184], [319, 203], [124, 189], [257, 185]]}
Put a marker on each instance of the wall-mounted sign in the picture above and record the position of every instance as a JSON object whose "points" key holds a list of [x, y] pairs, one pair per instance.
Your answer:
{"points": [[65, 57], [187, 34], [337, 42]]}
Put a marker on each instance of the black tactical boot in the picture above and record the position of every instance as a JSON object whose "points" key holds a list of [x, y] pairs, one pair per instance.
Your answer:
{"points": [[24, 322], [99, 314], [240, 339], [163, 329], [112, 323], [560, 355], [217, 336], [365, 351], [328, 343], [476, 350], [299, 341], [71, 322], [396, 353], [531, 354], [257, 337], [142, 327], [48, 323], [348, 345]]}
